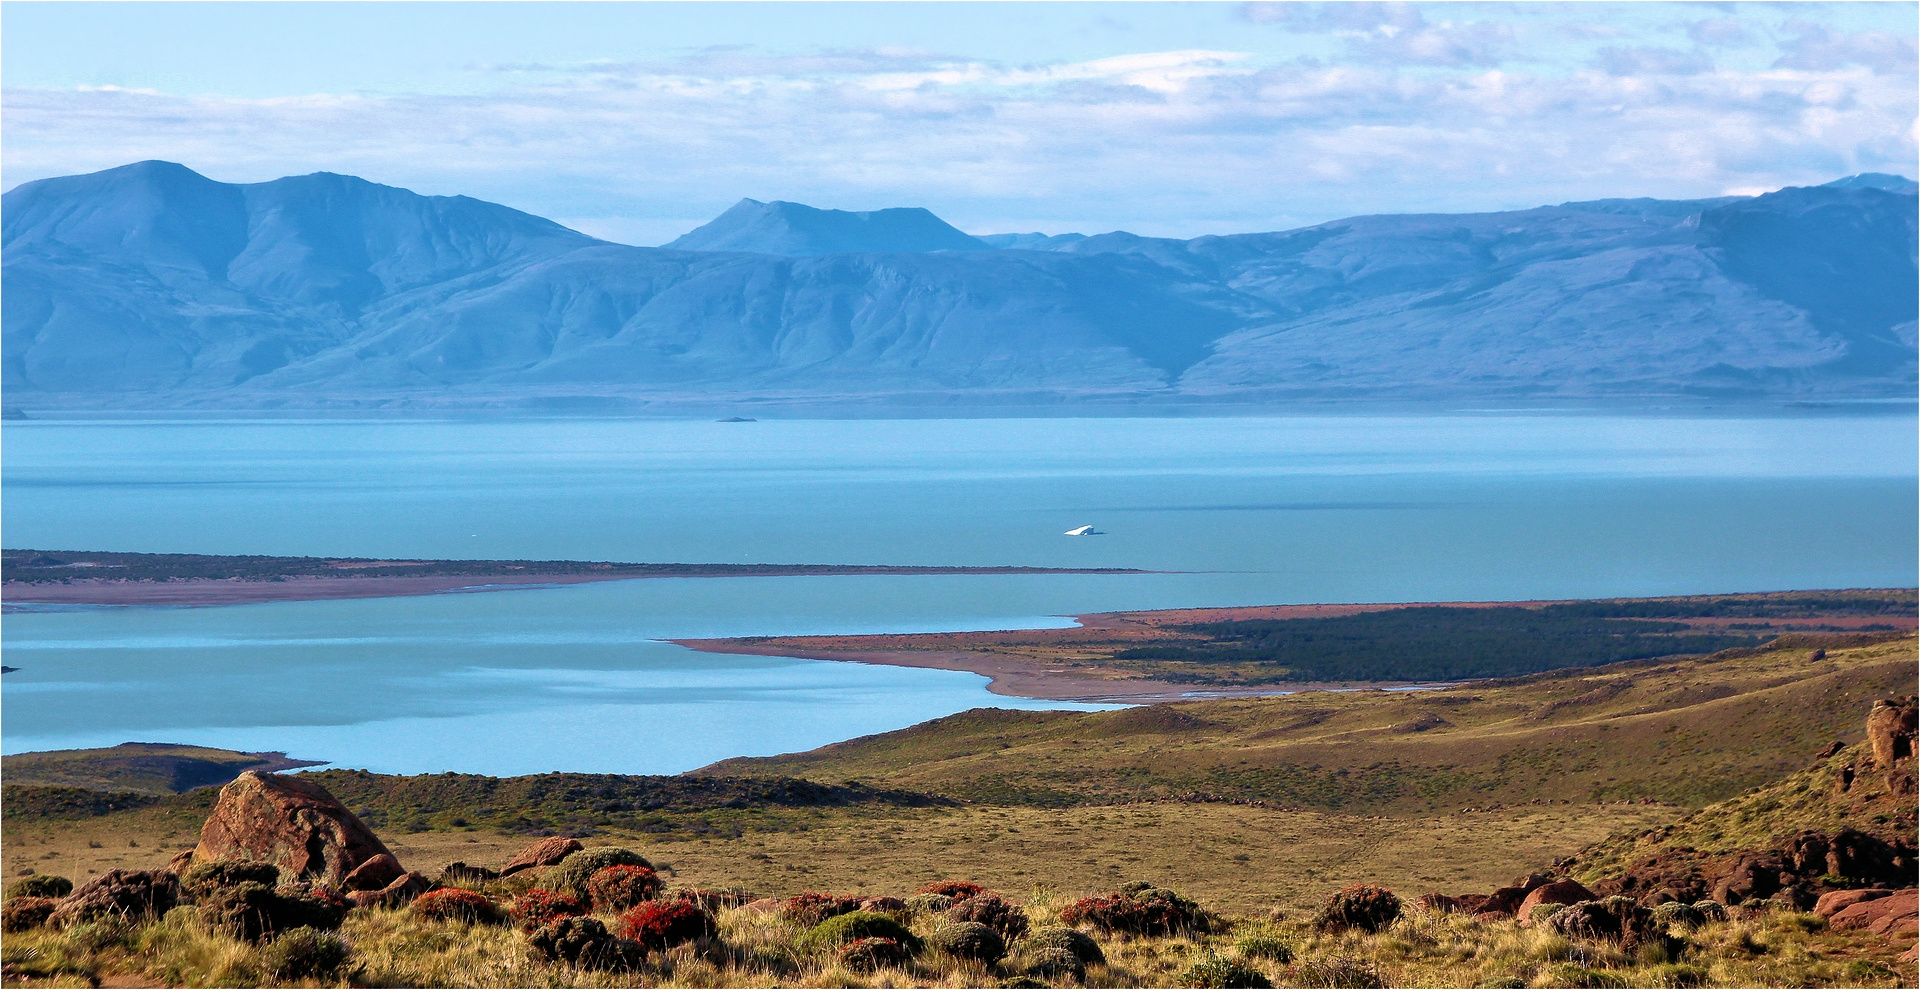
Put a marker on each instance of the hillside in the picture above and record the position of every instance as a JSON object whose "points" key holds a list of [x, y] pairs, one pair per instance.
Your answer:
{"points": [[1684, 732], [150, 285], [138, 768]]}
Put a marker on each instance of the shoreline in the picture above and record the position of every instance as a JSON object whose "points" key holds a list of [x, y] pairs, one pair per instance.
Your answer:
{"points": [[20, 596], [1015, 677]]}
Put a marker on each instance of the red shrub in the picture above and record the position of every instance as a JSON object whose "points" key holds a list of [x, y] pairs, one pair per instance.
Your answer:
{"points": [[537, 908], [959, 890], [617, 888], [812, 907], [1143, 910], [661, 924], [454, 904]]}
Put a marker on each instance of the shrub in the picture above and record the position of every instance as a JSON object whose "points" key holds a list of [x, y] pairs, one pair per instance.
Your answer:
{"points": [[304, 953], [1542, 912], [868, 954], [1137, 910], [1054, 963], [969, 940], [841, 929], [1581, 978], [1362, 906], [1338, 972], [39, 885], [573, 873], [929, 903], [202, 879], [959, 890], [812, 907], [1213, 971], [1265, 944], [586, 943], [19, 914], [456, 904], [539, 908], [663, 924], [1710, 911], [254, 912], [1675, 913], [617, 888], [1066, 939], [988, 909]]}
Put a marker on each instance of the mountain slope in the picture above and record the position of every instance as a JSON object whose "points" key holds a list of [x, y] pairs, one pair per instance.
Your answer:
{"points": [[150, 285]]}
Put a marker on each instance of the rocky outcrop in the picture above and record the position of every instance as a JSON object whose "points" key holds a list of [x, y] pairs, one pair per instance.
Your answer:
{"points": [[546, 852], [1894, 915], [289, 822], [399, 893], [1833, 902], [119, 894], [1557, 892], [1890, 729], [375, 873]]}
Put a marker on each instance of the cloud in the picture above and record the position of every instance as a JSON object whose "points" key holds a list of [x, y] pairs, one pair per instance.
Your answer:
{"points": [[1648, 61], [1159, 142], [1722, 32], [1815, 47], [1393, 33]]}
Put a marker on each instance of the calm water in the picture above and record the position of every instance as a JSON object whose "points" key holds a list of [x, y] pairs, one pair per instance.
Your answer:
{"points": [[1252, 510]]}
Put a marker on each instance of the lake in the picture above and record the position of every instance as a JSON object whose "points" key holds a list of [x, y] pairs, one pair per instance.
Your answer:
{"points": [[1233, 511]]}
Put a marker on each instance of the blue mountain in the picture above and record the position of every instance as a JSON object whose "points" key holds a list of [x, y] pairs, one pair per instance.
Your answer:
{"points": [[152, 286], [792, 229]]}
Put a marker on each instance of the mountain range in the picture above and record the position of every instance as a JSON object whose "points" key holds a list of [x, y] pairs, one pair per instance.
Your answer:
{"points": [[150, 285]]}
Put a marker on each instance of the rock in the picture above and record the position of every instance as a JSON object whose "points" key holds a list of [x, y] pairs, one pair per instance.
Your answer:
{"points": [[399, 893], [546, 852], [765, 905], [1890, 728], [1470, 903], [375, 873], [1557, 892], [1831, 902], [1870, 914], [1754, 876], [180, 861], [462, 873], [883, 905], [290, 822], [1612, 918], [1507, 899], [130, 894], [1438, 903]]}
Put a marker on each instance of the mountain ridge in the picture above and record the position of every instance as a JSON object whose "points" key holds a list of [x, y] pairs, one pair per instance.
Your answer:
{"points": [[152, 286]]}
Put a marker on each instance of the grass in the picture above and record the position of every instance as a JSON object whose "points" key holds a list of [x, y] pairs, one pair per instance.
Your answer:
{"points": [[399, 949], [138, 768]]}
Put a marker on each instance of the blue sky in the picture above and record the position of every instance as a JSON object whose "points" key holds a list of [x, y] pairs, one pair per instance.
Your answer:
{"points": [[637, 121]]}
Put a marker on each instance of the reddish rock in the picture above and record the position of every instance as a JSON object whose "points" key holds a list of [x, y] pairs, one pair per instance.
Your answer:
{"points": [[1557, 892], [180, 861], [1868, 914], [1890, 728], [546, 852], [1470, 903], [1439, 903], [1831, 902], [399, 893], [290, 822], [884, 905], [374, 874], [1507, 899], [765, 905]]}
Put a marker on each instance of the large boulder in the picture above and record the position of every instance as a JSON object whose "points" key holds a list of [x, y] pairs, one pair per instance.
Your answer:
{"points": [[1890, 728], [1881, 915], [119, 894], [1835, 901], [290, 822], [375, 873], [1557, 892], [546, 852], [399, 893]]}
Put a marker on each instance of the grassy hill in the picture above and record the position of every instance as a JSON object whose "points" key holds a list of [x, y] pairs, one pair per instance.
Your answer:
{"points": [[1685, 732], [139, 768]]}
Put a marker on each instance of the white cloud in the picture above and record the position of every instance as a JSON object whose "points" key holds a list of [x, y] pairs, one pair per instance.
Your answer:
{"points": [[1174, 142]]}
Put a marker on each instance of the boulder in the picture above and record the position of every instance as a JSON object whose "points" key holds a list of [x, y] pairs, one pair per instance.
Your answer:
{"points": [[1882, 915], [375, 873], [765, 905], [1438, 903], [399, 893], [1557, 892], [1833, 901], [1890, 728], [883, 905], [1507, 899], [290, 822], [128, 894], [546, 852], [462, 873]]}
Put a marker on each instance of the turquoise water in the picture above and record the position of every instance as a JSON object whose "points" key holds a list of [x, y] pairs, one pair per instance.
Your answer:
{"points": [[1246, 511]]}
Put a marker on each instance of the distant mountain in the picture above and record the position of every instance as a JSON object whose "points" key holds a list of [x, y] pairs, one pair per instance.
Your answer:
{"points": [[1876, 180], [802, 231], [152, 286]]}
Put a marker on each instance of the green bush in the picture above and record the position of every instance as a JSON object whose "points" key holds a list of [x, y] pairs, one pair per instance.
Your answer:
{"points": [[20, 914], [929, 903], [1710, 911], [1215, 972], [586, 943], [1065, 939], [969, 940], [868, 954], [1265, 944], [574, 872], [1362, 906], [202, 879], [1675, 913], [39, 885], [304, 953], [1541, 912], [1055, 963], [841, 929]]}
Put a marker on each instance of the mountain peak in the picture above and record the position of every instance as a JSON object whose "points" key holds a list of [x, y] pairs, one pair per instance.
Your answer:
{"points": [[780, 227], [1877, 180]]}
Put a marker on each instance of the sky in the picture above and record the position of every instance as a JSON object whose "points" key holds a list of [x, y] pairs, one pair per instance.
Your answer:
{"points": [[639, 121]]}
